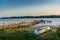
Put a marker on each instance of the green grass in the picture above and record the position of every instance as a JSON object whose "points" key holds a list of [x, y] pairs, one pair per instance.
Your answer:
{"points": [[28, 29], [28, 34]]}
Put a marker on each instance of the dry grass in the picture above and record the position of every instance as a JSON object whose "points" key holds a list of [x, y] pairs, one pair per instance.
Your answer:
{"points": [[28, 29]]}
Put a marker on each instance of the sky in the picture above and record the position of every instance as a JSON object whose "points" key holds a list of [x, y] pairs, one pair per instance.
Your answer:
{"points": [[29, 7]]}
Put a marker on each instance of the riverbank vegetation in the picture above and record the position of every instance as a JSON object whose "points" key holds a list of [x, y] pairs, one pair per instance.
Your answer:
{"points": [[28, 34]]}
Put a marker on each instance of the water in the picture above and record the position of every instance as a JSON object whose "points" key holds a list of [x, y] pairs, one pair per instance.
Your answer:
{"points": [[55, 21]]}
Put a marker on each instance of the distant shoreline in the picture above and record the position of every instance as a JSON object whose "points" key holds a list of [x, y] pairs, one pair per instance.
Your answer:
{"points": [[15, 18], [51, 16]]}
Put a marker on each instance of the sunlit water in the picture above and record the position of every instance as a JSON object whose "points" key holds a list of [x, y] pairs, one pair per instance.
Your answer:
{"points": [[55, 21]]}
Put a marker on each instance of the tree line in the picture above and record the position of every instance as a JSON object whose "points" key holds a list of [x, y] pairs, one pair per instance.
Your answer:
{"points": [[50, 16]]}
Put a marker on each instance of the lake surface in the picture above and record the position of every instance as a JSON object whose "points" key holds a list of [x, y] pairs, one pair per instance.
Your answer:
{"points": [[55, 21]]}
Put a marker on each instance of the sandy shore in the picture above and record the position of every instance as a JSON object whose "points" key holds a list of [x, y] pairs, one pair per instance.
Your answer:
{"points": [[20, 24]]}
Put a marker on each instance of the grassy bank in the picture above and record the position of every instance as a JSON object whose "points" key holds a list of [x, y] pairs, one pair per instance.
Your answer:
{"points": [[27, 34]]}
